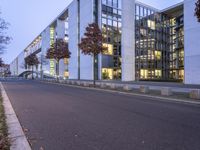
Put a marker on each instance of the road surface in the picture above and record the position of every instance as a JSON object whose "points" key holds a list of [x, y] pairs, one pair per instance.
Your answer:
{"points": [[68, 118]]}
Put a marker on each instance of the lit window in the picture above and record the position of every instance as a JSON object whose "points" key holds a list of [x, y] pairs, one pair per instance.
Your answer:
{"points": [[109, 50], [151, 24], [107, 74], [66, 61], [66, 74], [144, 74], [158, 55], [158, 73]]}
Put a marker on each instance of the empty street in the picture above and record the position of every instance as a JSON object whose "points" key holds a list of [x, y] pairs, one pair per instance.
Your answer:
{"points": [[57, 117]]}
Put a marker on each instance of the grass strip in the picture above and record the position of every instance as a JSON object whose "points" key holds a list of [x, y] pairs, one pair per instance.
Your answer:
{"points": [[4, 141]]}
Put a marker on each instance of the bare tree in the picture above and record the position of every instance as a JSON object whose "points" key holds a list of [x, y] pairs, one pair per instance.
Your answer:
{"points": [[4, 39], [197, 10]]}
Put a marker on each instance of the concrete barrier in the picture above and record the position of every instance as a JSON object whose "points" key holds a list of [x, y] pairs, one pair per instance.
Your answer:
{"points": [[78, 83], [195, 94], [166, 91], [103, 85], [144, 89], [61, 81], [68, 81], [127, 88], [113, 86], [86, 84]]}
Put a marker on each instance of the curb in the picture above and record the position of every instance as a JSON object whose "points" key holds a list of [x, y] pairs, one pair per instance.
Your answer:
{"points": [[158, 98], [15, 131]]}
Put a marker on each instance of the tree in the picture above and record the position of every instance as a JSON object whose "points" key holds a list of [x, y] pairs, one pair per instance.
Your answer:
{"points": [[43, 62], [58, 50], [197, 10], [92, 44], [4, 39], [32, 60], [1, 62]]}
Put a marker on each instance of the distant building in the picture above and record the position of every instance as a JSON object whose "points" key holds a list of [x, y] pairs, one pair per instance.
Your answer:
{"points": [[144, 43]]}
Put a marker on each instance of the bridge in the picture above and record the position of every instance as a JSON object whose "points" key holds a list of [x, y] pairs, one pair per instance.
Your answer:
{"points": [[26, 73]]}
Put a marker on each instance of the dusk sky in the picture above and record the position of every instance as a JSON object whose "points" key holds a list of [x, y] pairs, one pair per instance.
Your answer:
{"points": [[28, 18]]}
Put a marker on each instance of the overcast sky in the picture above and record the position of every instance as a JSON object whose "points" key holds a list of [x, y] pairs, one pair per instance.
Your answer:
{"points": [[28, 18]]}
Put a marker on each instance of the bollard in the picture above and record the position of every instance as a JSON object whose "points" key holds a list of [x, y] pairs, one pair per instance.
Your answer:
{"points": [[127, 88], [113, 86], [166, 91], [103, 85], [144, 89], [195, 94]]}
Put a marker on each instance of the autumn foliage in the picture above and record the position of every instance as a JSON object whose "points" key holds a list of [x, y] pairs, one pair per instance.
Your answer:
{"points": [[58, 50], [92, 42], [32, 60], [197, 10]]}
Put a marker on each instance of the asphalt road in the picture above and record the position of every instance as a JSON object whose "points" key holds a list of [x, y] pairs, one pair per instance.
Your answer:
{"points": [[67, 118]]}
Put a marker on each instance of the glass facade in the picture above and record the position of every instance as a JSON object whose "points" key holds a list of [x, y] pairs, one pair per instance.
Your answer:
{"points": [[159, 45], [111, 28], [177, 48], [51, 62]]}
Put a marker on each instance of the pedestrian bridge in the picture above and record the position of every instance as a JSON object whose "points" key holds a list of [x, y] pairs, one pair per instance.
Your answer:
{"points": [[35, 74]]}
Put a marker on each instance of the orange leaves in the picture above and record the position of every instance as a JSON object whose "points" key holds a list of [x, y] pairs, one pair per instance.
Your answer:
{"points": [[59, 50], [32, 60], [92, 42]]}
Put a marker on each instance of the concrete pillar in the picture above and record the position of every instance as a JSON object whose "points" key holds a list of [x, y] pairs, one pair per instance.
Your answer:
{"points": [[192, 44], [128, 40]]}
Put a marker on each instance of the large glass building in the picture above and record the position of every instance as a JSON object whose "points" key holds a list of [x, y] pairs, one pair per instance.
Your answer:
{"points": [[144, 43]]}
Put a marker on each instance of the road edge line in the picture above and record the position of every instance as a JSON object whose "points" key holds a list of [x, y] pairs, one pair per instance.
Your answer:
{"points": [[15, 132]]}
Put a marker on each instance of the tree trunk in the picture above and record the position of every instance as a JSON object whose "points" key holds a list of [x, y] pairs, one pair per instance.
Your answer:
{"points": [[32, 72], [57, 70], [94, 72]]}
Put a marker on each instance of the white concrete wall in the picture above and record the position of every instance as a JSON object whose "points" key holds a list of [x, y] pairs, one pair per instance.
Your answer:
{"points": [[128, 40], [60, 31], [45, 46], [21, 63], [86, 17], [192, 44], [13, 67], [73, 40]]}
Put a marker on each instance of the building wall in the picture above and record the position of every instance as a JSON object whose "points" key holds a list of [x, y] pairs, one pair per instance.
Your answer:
{"points": [[86, 17], [45, 46], [73, 40], [21, 63], [60, 33], [128, 40], [13, 67], [192, 44]]}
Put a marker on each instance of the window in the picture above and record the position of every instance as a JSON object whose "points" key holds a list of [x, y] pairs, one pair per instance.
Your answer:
{"points": [[107, 74]]}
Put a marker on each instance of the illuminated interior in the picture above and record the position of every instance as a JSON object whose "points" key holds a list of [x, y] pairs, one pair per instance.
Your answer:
{"points": [[107, 74], [151, 24], [51, 61], [66, 74], [109, 51], [158, 55], [66, 61], [144, 74]]}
